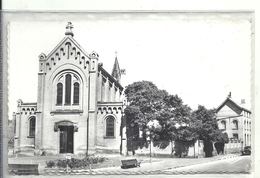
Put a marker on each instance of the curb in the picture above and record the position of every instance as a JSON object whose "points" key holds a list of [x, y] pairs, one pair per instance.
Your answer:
{"points": [[112, 171], [185, 165], [223, 158], [111, 168]]}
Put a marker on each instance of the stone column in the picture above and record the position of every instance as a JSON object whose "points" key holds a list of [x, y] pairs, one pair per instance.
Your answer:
{"points": [[107, 90], [92, 102], [40, 105], [99, 93], [112, 93]]}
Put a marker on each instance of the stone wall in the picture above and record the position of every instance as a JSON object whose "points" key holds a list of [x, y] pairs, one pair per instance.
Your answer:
{"points": [[165, 149]]}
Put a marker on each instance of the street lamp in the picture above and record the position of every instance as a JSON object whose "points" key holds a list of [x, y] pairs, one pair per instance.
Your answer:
{"points": [[150, 142], [132, 136]]}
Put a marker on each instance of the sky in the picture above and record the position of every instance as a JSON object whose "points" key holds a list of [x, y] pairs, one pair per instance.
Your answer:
{"points": [[199, 58]]}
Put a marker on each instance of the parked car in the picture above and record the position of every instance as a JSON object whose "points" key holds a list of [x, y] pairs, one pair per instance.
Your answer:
{"points": [[246, 150]]}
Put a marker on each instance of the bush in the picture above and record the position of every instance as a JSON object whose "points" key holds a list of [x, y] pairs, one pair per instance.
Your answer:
{"points": [[101, 159], [208, 148], [181, 148], [62, 163], [76, 163], [95, 160], [50, 164]]}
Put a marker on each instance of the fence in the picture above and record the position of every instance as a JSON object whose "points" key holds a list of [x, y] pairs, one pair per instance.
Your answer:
{"points": [[233, 146], [168, 149], [161, 149]]}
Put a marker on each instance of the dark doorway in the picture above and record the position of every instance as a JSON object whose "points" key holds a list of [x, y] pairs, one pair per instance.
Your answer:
{"points": [[66, 139]]}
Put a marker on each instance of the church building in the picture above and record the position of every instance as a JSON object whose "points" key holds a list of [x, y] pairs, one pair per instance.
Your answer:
{"points": [[79, 106]]}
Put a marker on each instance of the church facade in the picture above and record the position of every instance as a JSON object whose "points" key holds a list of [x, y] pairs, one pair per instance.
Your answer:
{"points": [[79, 105]]}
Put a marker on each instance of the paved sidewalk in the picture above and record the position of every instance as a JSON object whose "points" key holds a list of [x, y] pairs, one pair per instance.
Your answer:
{"points": [[156, 166], [164, 164]]}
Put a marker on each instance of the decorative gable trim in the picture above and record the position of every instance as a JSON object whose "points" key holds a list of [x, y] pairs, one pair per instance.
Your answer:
{"points": [[66, 40], [68, 48]]}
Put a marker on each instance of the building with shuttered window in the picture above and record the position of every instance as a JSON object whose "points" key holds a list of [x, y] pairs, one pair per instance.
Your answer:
{"points": [[235, 120]]}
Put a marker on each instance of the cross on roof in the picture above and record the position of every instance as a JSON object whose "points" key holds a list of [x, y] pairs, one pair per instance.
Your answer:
{"points": [[69, 26], [69, 29], [116, 53]]}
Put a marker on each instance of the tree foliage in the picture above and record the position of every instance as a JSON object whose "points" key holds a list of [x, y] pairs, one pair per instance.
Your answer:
{"points": [[207, 126], [10, 135], [145, 101], [221, 137], [165, 117], [149, 104], [176, 121], [207, 129]]}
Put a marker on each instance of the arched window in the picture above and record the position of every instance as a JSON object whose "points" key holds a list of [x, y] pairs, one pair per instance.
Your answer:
{"points": [[59, 93], [222, 125], [235, 125], [68, 89], [110, 127], [32, 127], [76, 93]]}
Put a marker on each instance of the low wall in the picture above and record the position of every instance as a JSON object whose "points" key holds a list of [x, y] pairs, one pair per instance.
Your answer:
{"points": [[234, 146], [166, 149]]}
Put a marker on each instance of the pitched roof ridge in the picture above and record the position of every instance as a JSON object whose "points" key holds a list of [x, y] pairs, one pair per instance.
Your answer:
{"points": [[234, 102], [239, 105], [100, 67], [62, 41]]}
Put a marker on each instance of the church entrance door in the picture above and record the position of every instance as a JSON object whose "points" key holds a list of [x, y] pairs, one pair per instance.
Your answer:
{"points": [[66, 139]]}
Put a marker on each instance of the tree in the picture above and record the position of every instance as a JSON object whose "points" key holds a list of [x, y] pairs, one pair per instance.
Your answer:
{"points": [[177, 125], [146, 100], [143, 97], [207, 128], [10, 135], [149, 105], [221, 139]]}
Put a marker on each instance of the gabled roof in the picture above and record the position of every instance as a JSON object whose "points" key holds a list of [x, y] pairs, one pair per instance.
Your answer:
{"points": [[233, 105], [69, 39], [64, 40], [110, 77]]}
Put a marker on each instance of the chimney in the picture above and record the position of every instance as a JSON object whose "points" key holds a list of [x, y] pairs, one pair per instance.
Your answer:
{"points": [[229, 95], [243, 101]]}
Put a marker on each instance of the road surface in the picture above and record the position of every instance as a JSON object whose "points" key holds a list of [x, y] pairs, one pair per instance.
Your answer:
{"points": [[240, 164], [230, 164]]}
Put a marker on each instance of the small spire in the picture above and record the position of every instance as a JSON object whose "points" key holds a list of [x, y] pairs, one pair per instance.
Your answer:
{"points": [[116, 70], [69, 29]]}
